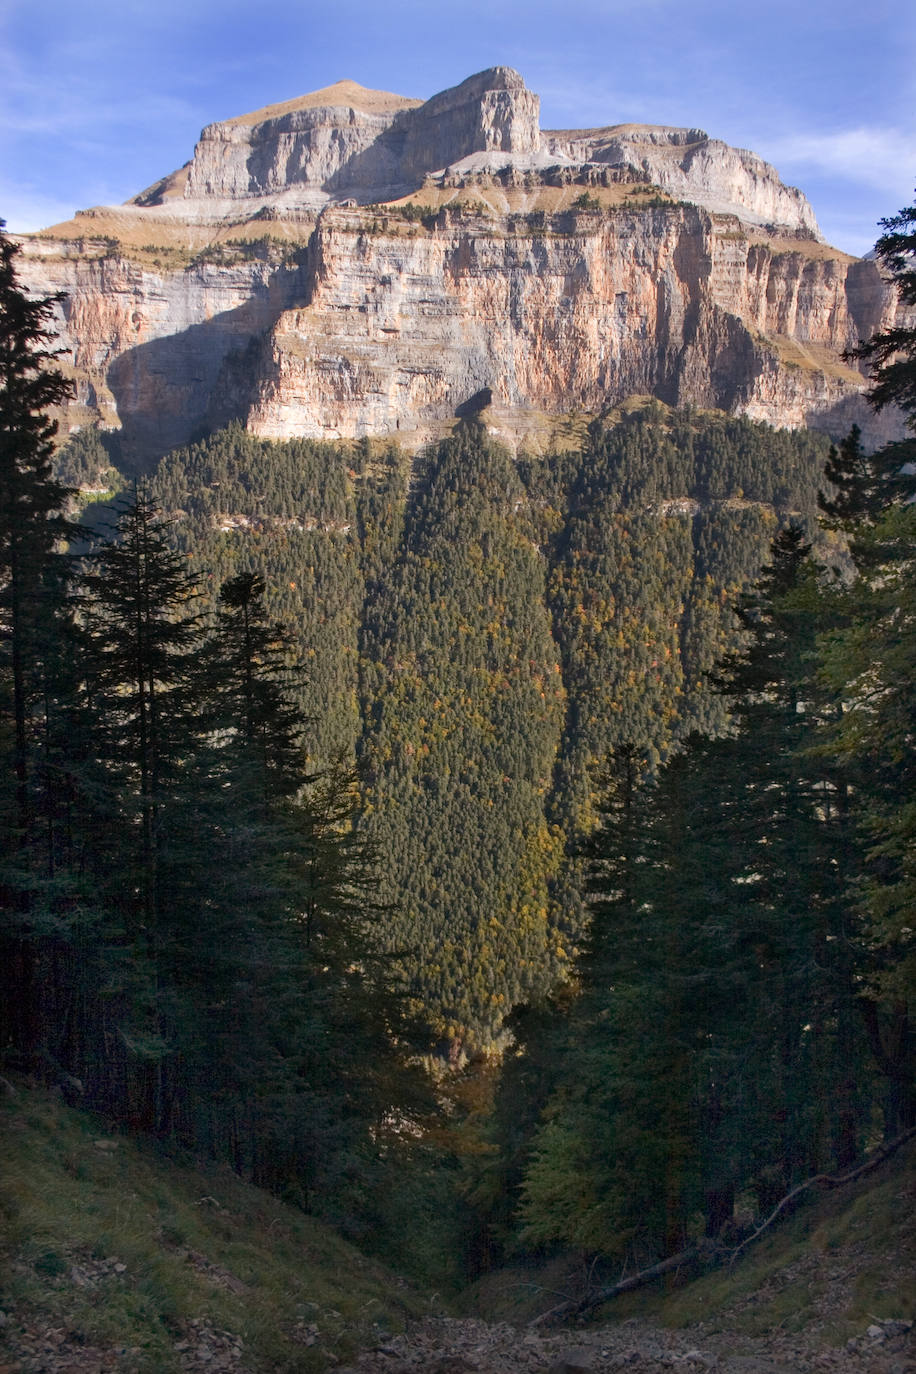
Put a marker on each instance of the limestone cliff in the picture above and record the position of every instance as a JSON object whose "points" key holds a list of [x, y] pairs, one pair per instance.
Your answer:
{"points": [[346, 141], [404, 322], [355, 262], [691, 166]]}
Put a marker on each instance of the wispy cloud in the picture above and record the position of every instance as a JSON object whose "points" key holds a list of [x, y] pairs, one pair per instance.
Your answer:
{"points": [[871, 156], [77, 110]]}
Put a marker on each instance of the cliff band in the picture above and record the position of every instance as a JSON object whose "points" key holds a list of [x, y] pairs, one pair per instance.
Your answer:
{"points": [[354, 263]]}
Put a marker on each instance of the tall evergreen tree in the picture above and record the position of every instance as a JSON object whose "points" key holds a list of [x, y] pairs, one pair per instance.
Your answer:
{"points": [[32, 522], [31, 501], [891, 353], [140, 636], [716, 1042], [868, 666]]}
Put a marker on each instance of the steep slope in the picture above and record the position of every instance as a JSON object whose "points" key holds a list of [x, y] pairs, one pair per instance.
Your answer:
{"points": [[829, 1288], [572, 310], [114, 1256], [357, 263], [480, 632]]}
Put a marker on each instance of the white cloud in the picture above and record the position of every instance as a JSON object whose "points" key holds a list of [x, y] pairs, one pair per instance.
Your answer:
{"points": [[871, 156]]}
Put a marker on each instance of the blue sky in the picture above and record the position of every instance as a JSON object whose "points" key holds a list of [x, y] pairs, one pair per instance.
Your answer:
{"points": [[99, 98]]}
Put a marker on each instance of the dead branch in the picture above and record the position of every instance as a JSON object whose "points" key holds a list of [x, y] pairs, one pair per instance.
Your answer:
{"points": [[826, 1181], [709, 1251], [578, 1307]]}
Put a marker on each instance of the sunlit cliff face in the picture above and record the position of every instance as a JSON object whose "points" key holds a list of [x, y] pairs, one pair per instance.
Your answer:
{"points": [[355, 263]]}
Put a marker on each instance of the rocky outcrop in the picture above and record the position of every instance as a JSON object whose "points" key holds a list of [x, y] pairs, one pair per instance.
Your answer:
{"points": [[490, 113], [566, 270], [347, 142], [344, 143], [151, 351], [307, 148], [694, 167], [404, 323]]}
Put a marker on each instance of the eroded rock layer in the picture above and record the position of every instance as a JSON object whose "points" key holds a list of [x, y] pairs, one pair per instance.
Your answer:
{"points": [[403, 322]]}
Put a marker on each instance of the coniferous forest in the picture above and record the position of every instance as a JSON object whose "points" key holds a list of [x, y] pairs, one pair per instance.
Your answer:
{"points": [[332, 779]]}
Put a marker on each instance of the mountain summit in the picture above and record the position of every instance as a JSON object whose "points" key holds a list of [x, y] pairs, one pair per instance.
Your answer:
{"points": [[354, 262], [348, 142]]}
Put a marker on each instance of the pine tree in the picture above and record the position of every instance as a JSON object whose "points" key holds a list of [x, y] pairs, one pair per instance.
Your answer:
{"points": [[466, 710], [891, 353], [868, 666], [716, 1045], [254, 682], [32, 576], [140, 667]]}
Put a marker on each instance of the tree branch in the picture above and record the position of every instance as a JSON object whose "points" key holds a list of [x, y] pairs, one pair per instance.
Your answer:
{"points": [[710, 1251]]}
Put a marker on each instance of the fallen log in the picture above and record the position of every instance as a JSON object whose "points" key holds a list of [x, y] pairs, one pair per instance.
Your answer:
{"points": [[577, 1307], [825, 1181], [710, 1251]]}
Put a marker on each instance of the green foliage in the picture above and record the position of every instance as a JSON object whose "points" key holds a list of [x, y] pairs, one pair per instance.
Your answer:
{"points": [[867, 662], [465, 707], [224, 906], [85, 462], [231, 251], [410, 608], [158, 1242], [748, 975], [202, 959], [285, 512], [651, 532], [32, 577], [892, 352], [716, 1047], [867, 659]]}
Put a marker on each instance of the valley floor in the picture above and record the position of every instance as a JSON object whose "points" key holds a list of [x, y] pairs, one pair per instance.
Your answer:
{"points": [[832, 1289], [470, 1346], [116, 1258]]}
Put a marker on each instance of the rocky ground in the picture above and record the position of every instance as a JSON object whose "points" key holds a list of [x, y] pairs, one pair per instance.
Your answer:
{"points": [[831, 1291], [470, 1346]]}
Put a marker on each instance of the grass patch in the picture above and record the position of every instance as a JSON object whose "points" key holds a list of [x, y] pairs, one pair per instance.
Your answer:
{"points": [[128, 1250], [845, 1259]]}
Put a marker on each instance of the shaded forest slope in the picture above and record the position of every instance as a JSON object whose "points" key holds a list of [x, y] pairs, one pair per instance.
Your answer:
{"points": [[479, 632]]}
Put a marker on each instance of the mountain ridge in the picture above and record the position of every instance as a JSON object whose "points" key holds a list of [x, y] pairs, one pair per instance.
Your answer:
{"points": [[362, 267]]}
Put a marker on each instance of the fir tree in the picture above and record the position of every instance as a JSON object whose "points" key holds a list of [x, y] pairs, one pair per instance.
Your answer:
{"points": [[32, 575], [891, 353], [867, 665]]}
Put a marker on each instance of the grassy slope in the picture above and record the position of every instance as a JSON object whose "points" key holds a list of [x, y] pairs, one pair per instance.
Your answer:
{"points": [[114, 1257], [845, 1258]]}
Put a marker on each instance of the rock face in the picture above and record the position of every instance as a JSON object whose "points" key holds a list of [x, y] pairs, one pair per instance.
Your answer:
{"points": [[282, 279], [150, 350], [694, 167], [358, 145], [403, 323]]}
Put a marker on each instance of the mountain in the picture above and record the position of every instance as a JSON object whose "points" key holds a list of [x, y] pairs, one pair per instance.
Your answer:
{"points": [[336, 767], [357, 263]]}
